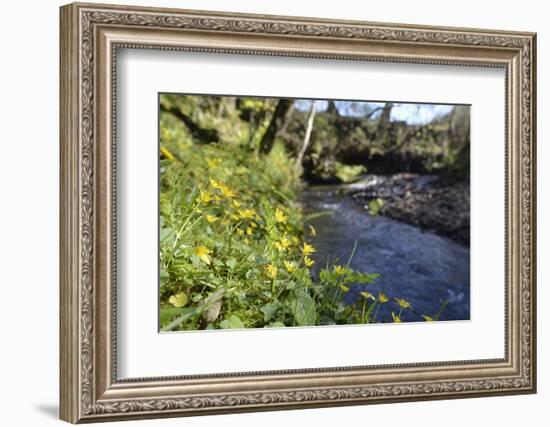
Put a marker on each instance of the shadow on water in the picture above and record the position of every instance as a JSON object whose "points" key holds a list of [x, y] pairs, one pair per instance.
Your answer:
{"points": [[422, 267]]}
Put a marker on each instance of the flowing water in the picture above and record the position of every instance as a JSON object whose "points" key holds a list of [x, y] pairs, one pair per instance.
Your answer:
{"points": [[421, 267]]}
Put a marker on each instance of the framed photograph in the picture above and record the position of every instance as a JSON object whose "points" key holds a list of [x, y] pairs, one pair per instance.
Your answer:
{"points": [[267, 212]]}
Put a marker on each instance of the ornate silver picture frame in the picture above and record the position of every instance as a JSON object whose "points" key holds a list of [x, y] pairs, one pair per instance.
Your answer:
{"points": [[91, 35]]}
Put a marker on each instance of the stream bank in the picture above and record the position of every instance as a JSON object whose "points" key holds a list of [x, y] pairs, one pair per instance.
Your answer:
{"points": [[421, 266], [434, 203]]}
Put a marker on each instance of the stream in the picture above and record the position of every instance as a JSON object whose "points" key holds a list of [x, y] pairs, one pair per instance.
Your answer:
{"points": [[422, 267]]}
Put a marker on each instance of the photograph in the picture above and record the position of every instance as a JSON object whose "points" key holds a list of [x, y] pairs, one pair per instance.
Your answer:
{"points": [[278, 212], [266, 211]]}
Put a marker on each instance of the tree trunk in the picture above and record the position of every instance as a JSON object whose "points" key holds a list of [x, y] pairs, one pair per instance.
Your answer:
{"points": [[307, 137], [268, 139], [385, 116], [384, 128]]}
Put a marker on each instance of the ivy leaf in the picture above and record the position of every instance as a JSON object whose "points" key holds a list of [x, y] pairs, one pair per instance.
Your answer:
{"points": [[232, 322]]}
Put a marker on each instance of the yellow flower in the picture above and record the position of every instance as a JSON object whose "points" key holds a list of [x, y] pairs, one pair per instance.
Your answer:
{"points": [[382, 297], [295, 240], [212, 163], [228, 192], [216, 184], [240, 232], [280, 216], [290, 266], [344, 288], [236, 204], [211, 218], [253, 225], [403, 303], [427, 318], [249, 231], [205, 196], [271, 271], [282, 244], [339, 270], [308, 261], [202, 252], [312, 230], [285, 243], [396, 319], [307, 249], [167, 154], [247, 213], [367, 295]]}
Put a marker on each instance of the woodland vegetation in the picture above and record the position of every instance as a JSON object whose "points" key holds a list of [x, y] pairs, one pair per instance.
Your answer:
{"points": [[235, 244]]}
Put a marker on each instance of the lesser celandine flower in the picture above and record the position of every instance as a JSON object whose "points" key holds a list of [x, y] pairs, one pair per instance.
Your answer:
{"points": [[202, 252], [205, 196], [367, 295], [240, 232], [282, 244], [212, 163], [344, 288], [307, 249], [247, 213], [211, 218], [308, 262], [339, 270], [396, 319], [278, 246], [215, 184], [290, 266], [166, 153], [382, 297], [403, 303], [228, 192], [280, 216], [271, 271]]}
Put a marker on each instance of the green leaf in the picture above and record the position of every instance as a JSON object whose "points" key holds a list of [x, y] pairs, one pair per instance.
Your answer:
{"points": [[269, 310], [164, 275], [303, 309], [231, 263], [165, 233], [176, 323], [232, 322], [168, 313]]}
